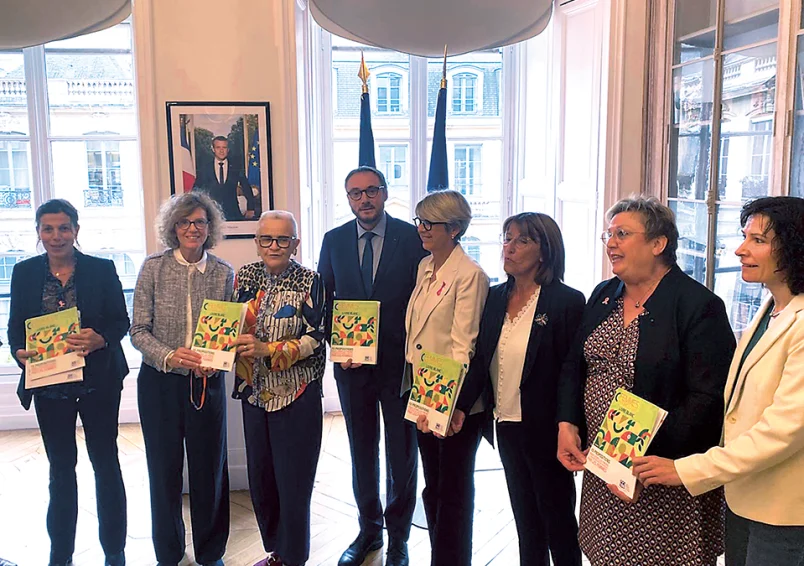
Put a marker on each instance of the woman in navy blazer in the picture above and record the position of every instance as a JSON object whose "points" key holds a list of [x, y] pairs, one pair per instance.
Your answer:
{"points": [[526, 330], [59, 279]]}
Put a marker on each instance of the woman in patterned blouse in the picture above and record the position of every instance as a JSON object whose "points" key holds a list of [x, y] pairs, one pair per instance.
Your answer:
{"points": [[278, 379], [655, 331]]}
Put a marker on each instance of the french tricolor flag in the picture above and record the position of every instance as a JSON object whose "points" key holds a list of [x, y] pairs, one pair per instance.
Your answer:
{"points": [[187, 161]]}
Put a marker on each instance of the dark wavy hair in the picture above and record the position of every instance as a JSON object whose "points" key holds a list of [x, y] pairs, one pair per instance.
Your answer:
{"points": [[785, 216], [55, 206], [543, 230]]}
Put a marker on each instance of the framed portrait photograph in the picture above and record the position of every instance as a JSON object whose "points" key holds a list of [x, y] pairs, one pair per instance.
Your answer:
{"points": [[223, 149]]}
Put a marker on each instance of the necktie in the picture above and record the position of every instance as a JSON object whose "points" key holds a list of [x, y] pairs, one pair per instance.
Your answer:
{"points": [[367, 264], [221, 180]]}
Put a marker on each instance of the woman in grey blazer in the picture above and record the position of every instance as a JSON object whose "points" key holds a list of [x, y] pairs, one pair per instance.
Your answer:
{"points": [[183, 405]]}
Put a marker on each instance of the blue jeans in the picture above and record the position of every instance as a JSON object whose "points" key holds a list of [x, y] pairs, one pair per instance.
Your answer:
{"points": [[751, 543]]}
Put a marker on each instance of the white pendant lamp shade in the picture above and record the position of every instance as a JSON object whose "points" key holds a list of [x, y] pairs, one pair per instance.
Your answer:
{"points": [[24, 23], [423, 27]]}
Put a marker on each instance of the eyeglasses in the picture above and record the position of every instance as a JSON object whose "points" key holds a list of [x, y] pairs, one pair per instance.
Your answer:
{"points": [[200, 224], [428, 225], [519, 242], [357, 194], [282, 242], [619, 235]]}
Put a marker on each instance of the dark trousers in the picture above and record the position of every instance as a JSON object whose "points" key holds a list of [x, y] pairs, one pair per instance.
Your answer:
{"points": [[542, 496], [171, 425], [57, 420], [282, 449], [362, 394], [449, 491], [751, 543]]}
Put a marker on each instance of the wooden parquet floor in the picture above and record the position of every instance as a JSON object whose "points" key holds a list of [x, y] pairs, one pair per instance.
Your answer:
{"points": [[23, 505]]}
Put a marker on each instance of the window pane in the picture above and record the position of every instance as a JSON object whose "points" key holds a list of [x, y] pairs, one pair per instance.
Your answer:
{"points": [[691, 133], [13, 95], [691, 219], [742, 299], [749, 22], [749, 91], [694, 24], [797, 163], [91, 91]]}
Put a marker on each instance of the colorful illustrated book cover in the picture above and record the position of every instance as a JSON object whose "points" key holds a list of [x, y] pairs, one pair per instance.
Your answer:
{"points": [[436, 385], [47, 335], [355, 331], [626, 432], [219, 325]]}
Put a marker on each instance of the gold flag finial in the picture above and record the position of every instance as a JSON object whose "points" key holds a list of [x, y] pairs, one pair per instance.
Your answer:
{"points": [[363, 73], [444, 70]]}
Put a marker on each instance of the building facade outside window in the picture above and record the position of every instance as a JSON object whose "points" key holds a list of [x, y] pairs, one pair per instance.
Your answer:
{"points": [[464, 93], [467, 169]]}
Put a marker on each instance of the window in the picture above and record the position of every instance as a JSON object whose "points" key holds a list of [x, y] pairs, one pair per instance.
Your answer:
{"points": [[389, 89], [81, 145], [393, 164], [467, 169], [757, 184], [103, 168], [464, 92]]}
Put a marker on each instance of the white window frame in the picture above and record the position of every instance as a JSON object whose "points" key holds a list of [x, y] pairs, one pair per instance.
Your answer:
{"points": [[42, 181], [452, 86], [404, 89], [475, 188]]}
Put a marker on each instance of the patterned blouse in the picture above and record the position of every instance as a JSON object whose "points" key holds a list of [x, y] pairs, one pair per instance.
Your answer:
{"points": [[287, 312]]}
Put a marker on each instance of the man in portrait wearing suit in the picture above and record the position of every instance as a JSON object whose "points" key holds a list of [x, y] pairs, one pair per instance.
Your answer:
{"points": [[221, 179], [375, 257]]}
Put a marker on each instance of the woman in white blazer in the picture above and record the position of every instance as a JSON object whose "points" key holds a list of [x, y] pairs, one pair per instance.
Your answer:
{"points": [[443, 317], [761, 460]]}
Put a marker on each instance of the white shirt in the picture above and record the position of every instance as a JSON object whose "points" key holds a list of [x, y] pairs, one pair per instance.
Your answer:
{"points": [[509, 362], [200, 265]]}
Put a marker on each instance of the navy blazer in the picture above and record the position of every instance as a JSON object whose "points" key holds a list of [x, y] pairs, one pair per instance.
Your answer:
{"points": [[558, 315], [682, 361], [339, 267], [100, 300], [226, 194]]}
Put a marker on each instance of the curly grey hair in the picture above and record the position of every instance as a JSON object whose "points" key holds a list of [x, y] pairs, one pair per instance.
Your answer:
{"points": [[182, 206], [658, 219]]}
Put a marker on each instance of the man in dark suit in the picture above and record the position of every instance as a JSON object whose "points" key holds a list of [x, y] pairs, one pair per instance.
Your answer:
{"points": [[221, 179], [375, 257]]}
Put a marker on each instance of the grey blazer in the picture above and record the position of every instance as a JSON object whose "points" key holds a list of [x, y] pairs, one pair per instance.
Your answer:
{"points": [[160, 301]]}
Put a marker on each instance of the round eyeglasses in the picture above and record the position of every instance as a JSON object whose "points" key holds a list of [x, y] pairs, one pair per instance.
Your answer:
{"points": [[357, 194], [618, 235]]}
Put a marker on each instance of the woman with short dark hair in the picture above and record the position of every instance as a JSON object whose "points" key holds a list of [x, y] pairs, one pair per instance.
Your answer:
{"points": [[761, 461], [183, 405], [60, 279], [658, 333], [525, 333]]}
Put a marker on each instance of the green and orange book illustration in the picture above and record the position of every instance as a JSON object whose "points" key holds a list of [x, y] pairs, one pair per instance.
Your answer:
{"points": [[47, 336], [436, 385], [219, 325], [626, 432], [355, 331]]}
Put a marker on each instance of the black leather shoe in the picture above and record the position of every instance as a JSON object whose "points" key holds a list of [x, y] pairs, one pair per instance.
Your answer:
{"points": [[359, 549], [397, 553], [118, 559]]}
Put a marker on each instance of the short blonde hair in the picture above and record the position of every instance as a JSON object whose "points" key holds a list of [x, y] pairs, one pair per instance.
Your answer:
{"points": [[446, 206], [281, 215], [181, 206]]}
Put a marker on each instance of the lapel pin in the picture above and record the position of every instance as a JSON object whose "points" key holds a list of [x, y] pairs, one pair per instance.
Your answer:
{"points": [[440, 289], [540, 319], [606, 301]]}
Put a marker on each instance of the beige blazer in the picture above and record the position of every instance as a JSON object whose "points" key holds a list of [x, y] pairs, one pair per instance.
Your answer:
{"points": [[761, 460], [446, 319]]}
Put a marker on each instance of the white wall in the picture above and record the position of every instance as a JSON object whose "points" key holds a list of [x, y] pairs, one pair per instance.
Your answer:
{"points": [[200, 50]]}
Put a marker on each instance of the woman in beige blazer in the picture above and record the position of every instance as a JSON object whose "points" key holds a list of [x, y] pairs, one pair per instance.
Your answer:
{"points": [[443, 317], [761, 460]]}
